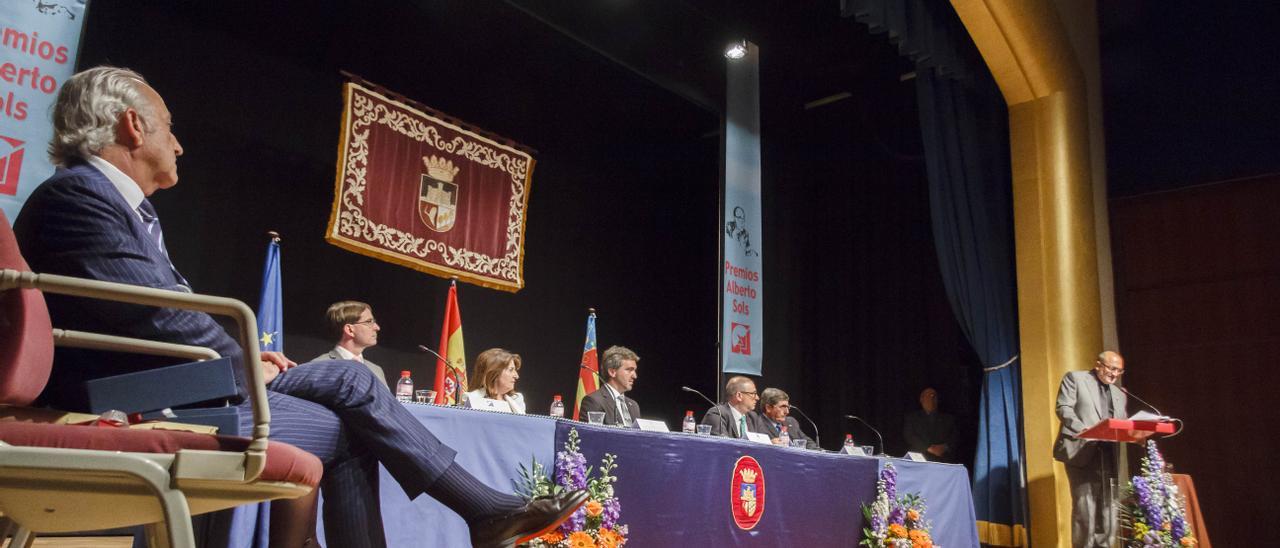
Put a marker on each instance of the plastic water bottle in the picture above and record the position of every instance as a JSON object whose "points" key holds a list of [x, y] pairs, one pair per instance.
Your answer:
{"points": [[848, 443], [689, 425], [404, 388], [557, 407], [784, 436]]}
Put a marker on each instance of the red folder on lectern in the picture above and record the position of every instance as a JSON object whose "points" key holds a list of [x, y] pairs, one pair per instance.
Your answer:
{"points": [[1125, 430]]}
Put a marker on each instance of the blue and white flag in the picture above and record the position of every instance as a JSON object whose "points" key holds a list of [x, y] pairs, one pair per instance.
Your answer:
{"points": [[742, 297], [270, 305], [38, 45]]}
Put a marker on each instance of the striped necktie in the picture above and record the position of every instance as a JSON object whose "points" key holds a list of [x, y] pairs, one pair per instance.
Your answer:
{"points": [[742, 426], [623, 415], [152, 223]]}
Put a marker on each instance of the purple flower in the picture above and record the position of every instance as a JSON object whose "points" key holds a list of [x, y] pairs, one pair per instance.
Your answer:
{"points": [[890, 477], [1148, 501], [1155, 462], [877, 522], [1179, 528], [896, 515], [576, 522], [571, 470], [612, 511]]}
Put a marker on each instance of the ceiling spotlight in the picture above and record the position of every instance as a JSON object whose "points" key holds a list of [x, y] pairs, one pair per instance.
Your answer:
{"points": [[736, 50]]}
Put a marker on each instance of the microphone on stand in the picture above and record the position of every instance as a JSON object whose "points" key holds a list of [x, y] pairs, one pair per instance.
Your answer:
{"points": [[873, 429], [457, 385], [700, 394], [1142, 401], [816, 437]]}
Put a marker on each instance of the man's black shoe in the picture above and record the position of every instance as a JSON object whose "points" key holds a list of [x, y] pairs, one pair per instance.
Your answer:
{"points": [[533, 520]]}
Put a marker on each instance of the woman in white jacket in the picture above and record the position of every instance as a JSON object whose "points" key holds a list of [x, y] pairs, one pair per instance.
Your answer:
{"points": [[493, 383]]}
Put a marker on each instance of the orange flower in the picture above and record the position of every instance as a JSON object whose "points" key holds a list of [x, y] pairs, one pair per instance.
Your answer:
{"points": [[580, 539], [609, 538], [1188, 541], [913, 515], [594, 508], [553, 537], [897, 530]]}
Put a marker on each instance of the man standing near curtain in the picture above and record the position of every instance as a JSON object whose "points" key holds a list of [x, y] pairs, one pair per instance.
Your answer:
{"points": [[930, 432], [1084, 398]]}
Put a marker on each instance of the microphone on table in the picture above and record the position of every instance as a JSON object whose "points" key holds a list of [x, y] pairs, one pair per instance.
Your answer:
{"points": [[457, 385], [873, 429], [700, 394], [817, 439]]}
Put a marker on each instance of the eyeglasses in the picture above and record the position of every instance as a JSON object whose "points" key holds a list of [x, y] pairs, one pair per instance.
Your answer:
{"points": [[752, 394], [1113, 369], [369, 321]]}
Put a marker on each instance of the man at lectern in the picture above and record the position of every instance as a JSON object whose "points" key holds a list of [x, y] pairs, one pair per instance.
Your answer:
{"points": [[1084, 398]]}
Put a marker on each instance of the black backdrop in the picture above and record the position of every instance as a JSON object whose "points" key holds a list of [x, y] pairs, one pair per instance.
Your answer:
{"points": [[622, 213]]}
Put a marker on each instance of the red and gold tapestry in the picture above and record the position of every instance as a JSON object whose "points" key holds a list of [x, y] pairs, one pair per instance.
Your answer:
{"points": [[422, 191]]}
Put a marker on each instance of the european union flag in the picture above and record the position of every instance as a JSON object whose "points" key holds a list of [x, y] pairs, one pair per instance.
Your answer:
{"points": [[270, 307]]}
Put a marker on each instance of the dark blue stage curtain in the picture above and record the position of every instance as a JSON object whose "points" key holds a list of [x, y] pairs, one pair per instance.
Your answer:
{"points": [[964, 125]]}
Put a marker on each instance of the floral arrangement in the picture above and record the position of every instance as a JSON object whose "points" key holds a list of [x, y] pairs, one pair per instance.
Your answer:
{"points": [[1153, 514], [595, 524], [895, 521]]}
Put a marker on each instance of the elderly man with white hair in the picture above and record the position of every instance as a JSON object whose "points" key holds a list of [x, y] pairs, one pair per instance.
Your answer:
{"points": [[115, 148]]}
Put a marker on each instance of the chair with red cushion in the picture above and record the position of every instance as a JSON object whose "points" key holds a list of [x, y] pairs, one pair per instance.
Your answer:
{"points": [[57, 477]]}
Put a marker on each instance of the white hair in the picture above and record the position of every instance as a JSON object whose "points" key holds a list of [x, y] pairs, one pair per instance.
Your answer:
{"points": [[89, 107]]}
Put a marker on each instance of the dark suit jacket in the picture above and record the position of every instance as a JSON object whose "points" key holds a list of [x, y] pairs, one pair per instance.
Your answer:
{"points": [[722, 424], [78, 224], [768, 426], [602, 400], [922, 430], [1080, 406]]}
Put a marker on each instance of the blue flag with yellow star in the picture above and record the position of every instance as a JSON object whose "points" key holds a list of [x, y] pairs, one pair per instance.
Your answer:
{"points": [[270, 307]]}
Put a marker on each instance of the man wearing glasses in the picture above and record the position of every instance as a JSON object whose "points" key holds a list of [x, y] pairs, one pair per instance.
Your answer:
{"points": [[776, 420], [733, 418], [352, 323], [1084, 398]]}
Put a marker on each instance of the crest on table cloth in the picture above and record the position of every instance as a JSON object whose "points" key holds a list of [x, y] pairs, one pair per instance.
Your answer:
{"points": [[746, 500], [438, 195]]}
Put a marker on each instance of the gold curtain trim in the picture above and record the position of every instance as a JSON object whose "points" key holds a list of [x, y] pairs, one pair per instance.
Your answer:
{"points": [[999, 534]]}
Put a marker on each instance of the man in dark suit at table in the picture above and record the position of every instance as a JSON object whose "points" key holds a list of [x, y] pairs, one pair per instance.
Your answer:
{"points": [[775, 419], [735, 417], [611, 399], [1084, 398], [353, 324], [929, 431], [114, 147]]}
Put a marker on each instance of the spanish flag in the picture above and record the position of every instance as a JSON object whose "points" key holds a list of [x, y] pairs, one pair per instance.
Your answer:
{"points": [[589, 370], [446, 388]]}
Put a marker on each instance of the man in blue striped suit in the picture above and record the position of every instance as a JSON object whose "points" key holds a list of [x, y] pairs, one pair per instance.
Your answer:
{"points": [[113, 143]]}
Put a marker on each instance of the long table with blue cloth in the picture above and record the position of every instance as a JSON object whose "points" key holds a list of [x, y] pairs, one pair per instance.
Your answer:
{"points": [[677, 488]]}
